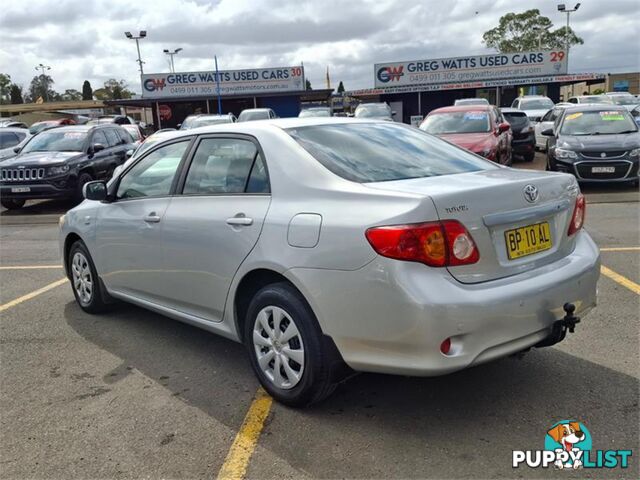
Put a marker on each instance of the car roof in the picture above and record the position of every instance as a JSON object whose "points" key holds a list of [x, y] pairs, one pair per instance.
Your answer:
{"points": [[462, 108], [533, 96], [594, 107], [256, 110], [84, 128]]}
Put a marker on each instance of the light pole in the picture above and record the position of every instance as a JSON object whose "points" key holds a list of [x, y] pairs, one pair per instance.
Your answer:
{"points": [[43, 80], [171, 54], [143, 33], [563, 8]]}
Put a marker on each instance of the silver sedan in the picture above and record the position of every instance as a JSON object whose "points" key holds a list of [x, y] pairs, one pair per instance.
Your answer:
{"points": [[329, 246]]}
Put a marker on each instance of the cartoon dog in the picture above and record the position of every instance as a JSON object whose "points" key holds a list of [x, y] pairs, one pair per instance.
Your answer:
{"points": [[567, 435]]}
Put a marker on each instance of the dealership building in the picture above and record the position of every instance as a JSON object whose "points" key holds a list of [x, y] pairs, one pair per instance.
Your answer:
{"points": [[174, 96], [414, 88]]}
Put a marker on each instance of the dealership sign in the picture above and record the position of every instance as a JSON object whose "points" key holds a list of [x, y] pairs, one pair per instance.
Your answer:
{"points": [[231, 82], [469, 69]]}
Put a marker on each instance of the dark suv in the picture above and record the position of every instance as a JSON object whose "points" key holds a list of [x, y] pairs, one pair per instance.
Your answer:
{"points": [[57, 163], [523, 142]]}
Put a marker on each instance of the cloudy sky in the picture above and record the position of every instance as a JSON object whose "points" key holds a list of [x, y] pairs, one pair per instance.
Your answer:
{"points": [[84, 39]]}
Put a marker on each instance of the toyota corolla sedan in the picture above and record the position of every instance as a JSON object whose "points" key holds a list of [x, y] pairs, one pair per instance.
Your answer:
{"points": [[329, 246]]}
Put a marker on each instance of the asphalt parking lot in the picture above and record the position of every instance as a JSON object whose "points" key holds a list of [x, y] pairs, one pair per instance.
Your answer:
{"points": [[132, 394]]}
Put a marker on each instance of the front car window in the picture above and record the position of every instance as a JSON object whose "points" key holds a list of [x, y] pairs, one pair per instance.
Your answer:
{"points": [[598, 122], [153, 175], [536, 104], [472, 121], [57, 141], [224, 165], [8, 139], [112, 137], [383, 151]]}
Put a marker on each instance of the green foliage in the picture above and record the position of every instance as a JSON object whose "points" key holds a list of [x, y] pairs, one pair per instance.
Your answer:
{"points": [[5, 84], [87, 91], [113, 90], [15, 93], [340, 87], [71, 95], [598, 91], [308, 85], [40, 86], [520, 32]]}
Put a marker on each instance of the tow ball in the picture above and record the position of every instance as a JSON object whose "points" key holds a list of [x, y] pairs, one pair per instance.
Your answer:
{"points": [[560, 327]]}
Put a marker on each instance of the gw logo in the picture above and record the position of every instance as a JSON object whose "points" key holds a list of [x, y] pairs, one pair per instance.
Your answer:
{"points": [[390, 74], [152, 84]]}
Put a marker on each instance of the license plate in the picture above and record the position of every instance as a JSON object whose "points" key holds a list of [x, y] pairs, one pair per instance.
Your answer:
{"points": [[603, 169], [20, 189], [528, 240]]}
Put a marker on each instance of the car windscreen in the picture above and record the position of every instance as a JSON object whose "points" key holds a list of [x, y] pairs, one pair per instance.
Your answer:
{"points": [[315, 113], [38, 127], [471, 121], [247, 116], [536, 104], [204, 121], [624, 99], [472, 101], [600, 99], [598, 122], [377, 152], [372, 111], [517, 120], [56, 141]]}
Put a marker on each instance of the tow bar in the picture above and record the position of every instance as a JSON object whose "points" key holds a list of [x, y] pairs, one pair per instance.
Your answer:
{"points": [[560, 327]]}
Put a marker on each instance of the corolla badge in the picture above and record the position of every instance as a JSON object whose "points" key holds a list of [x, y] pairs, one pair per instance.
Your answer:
{"points": [[530, 193]]}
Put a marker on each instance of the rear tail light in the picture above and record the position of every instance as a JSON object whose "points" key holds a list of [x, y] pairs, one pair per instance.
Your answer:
{"points": [[577, 219], [437, 244], [445, 346]]}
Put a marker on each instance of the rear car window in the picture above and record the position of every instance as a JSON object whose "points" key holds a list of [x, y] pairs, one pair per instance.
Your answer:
{"points": [[377, 152], [516, 119]]}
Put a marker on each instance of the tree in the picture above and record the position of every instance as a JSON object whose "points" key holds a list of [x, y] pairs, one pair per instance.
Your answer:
{"points": [[71, 95], [16, 94], [40, 86], [5, 84], [340, 87], [308, 85], [113, 90], [87, 92], [520, 32]]}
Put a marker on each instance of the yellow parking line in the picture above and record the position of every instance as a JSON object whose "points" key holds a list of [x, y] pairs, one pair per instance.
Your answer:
{"points": [[29, 296], [620, 249], [624, 281], [28, 267], [235, 465]]}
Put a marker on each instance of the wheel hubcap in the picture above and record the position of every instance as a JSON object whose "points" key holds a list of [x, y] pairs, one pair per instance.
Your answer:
{"points": [[278, 346], [82, 279]]}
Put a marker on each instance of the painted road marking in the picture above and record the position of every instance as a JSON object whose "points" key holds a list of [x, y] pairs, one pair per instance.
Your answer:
{"points": [[29, 267], [624, 281], [29, 296], [235, 465], [620, 249]]}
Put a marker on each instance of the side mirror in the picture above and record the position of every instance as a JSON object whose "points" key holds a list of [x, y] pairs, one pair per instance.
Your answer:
{"points": [[128, 154], [548, 132], [393, 112], [96, 190], [98, 147], [178, 126], [16, 149], [504, 127]]}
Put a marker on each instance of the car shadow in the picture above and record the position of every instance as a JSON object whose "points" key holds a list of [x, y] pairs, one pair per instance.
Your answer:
{"points": [[380, 425], [40, 207]]}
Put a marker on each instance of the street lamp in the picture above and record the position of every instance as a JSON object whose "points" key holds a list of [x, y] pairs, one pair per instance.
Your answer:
{"points": [[44, 68], [143, 33], [568, 11], [171, 54]]}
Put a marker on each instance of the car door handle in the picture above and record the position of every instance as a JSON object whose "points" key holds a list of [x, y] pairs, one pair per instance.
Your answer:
{"points": [[239, 220], [152, 218]]}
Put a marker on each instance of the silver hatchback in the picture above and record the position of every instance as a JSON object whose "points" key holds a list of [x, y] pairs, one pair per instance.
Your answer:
{"points": [[330, 245]]}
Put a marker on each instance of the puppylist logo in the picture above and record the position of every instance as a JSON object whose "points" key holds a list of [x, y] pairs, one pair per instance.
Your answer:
{"points": [[567, 445], [390, 74], [153, 84]]}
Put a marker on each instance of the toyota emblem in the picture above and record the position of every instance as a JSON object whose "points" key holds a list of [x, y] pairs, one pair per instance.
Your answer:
{"points": [[603, 155], [531, 193]]}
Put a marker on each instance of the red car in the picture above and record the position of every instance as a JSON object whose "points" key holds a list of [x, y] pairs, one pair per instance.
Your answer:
{"points": [[479, 128], [45, 124]]}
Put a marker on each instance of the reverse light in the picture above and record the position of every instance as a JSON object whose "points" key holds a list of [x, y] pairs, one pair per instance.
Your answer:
{"points": [[577, 219], [437, 244]]}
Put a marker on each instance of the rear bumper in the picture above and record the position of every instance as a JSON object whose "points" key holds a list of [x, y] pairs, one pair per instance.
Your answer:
{"points": [[522, 146], [392, 316]]}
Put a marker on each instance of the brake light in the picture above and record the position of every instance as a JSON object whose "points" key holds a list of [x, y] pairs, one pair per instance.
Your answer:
{"points": [[577, 219], [437, 244]]}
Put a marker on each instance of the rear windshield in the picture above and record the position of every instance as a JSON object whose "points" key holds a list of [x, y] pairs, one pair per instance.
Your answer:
{"points": [[516, 119], [536, 104], [378, 152]]}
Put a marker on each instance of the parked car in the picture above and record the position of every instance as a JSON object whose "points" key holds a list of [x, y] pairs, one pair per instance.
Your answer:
{"points": [[635, 113], [479, 128], [251, 114], [625, 99], [547, 121], [148, 143], [117, 119], [10, 139], [596, 143], [369, 244], [535, 106], [204, 120], [523, 141], [12, 123], [591, 99], [57, 163], [315, 112], [46, 124], [137, 134], [471, 101], [379, 111]]}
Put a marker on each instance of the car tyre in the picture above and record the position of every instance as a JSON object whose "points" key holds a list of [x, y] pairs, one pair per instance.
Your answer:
{"points": [[286, 348], [85, 283], [12, 203], [83, 179]]}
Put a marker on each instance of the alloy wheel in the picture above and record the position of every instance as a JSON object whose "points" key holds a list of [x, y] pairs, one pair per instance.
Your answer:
{"points": [[82, 279]]}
